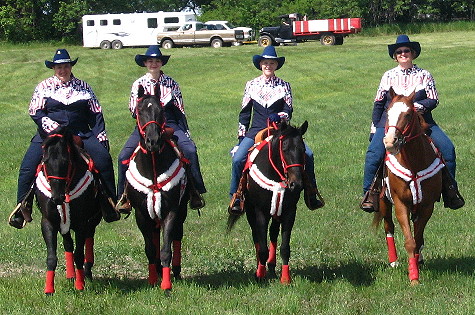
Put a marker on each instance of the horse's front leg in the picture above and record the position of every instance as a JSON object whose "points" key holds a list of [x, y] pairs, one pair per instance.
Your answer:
{"points": [[151, 235], [260, 243], [419, 226], [402, 215], [51, 240], [273, 235], [385, 209], [68, 245], [288, 220], [79, 260], [166, 250]]}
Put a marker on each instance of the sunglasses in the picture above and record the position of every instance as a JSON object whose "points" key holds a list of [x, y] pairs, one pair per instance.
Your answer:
{"points": [[400, 51]]}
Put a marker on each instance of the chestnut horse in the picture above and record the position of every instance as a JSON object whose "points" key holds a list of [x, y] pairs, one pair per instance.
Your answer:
{"points": [[67, 196], [275, 170], [156, 188], [414, 180]]}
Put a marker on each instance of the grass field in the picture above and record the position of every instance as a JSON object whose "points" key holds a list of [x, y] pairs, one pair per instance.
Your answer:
{"points": [[338, 263]]}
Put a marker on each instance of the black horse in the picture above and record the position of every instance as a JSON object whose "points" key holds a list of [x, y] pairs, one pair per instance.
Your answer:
{"points": [[68, 197], [156, 187], [275, 170]]}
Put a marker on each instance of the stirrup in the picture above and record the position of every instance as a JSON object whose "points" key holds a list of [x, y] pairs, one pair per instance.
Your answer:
{"points": [[196, 201], [313, 199], [236, 206], [453, 199], [370, 202], [16, 218], [123, 206]]}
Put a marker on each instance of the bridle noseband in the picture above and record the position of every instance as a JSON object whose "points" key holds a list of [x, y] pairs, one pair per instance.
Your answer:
{"points": [[408, 133]]}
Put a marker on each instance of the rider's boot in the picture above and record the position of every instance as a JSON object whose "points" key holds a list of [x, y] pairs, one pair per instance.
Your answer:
{"points": [[196, 199], [452, 197], [22, 212], [311, 195], [370, 202], [236, 206]]}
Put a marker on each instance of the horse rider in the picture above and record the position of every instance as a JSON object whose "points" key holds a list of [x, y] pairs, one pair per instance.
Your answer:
{"points": [[267, 98], [172, 100], [405, 78], [63, 100]]}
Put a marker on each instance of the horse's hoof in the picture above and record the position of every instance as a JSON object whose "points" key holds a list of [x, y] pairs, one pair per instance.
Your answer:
{"points": [[49, 294], [394, 264], [167, 292], [415, 282]]}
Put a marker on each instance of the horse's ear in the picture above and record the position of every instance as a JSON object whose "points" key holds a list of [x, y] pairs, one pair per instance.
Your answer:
{"points": [[391, 92], [303, 128], [141, 91]]}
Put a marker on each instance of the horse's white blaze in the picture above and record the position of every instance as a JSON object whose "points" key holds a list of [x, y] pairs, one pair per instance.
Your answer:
{"points": [[393, 116]]}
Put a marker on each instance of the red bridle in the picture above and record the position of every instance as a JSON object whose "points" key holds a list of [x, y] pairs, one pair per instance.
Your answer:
{"points": [[285, 165], [409, 131]]}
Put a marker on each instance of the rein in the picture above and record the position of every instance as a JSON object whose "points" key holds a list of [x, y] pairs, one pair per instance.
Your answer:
{"points": [[408, 134], [285, 166]]}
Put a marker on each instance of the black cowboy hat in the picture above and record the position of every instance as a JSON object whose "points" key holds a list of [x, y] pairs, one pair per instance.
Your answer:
{"points": [[152, 52], [61, 56], [403, 41], [268, 53]]}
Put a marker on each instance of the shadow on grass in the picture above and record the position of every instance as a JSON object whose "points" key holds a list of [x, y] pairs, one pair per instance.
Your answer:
{"points": [[458, 265]]}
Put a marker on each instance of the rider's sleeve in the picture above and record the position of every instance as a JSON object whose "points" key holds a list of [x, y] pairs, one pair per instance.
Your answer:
{"points": [[38, 111], [427, 96]]}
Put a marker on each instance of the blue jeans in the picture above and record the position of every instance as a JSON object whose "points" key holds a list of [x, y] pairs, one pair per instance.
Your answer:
{"points": [[240, 157], [376, 151], [186, 146], [31, 160]]}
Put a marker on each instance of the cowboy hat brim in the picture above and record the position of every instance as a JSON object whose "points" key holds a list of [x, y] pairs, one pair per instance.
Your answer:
{"points": [[140, 59], [50, 64], [258, 58]]}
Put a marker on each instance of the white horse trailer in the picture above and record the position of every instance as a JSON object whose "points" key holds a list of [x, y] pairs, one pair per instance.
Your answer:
{"points": [[129, 29]]}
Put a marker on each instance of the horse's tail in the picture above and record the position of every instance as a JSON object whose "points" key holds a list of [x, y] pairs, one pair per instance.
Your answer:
{"points": [[377, 218], [232, 219]]}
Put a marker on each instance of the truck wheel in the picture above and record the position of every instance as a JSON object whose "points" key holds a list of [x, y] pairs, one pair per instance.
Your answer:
{"points": [[264, 41], [117, 44], [339, 40], [105, 44], [167, 44], [328, 40], [217, 43]]}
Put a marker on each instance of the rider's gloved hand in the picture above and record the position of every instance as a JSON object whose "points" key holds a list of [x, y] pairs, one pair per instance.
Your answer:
{"points": [[274, 118]]}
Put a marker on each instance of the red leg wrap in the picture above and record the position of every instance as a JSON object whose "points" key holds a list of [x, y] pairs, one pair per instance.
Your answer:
{"points": [[392, 254], [413, 269], [152, 274], [49, 283], [272, 253], [285, 276], [79, 283], [261, 271], [70, 273], [166, 282], [176, 261], [89, 258]]}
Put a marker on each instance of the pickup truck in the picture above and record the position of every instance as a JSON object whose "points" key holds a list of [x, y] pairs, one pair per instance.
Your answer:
{"points": [[225, 25], [198, 33]]}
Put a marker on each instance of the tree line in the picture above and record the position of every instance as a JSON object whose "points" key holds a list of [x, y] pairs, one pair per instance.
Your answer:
{"points": [[26, 20]]}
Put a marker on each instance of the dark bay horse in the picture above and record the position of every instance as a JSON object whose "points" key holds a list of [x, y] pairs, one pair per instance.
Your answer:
{"points": [[414, 180], [156, 187], [275, 181], [67, 198]]}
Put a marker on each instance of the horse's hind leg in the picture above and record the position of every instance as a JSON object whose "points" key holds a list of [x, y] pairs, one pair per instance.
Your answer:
{"points": [[258, 224], [273, 235], [89, 257], [177, 235], [79, 282], [166, 250]]}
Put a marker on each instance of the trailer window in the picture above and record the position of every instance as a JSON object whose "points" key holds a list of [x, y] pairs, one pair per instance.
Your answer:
{"points": [[103, 22], [173, 19], [152, 23], [90, 22], [116, 22]]}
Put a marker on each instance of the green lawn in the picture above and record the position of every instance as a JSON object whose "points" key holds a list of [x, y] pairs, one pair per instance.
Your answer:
{"points": [[338, 263]]}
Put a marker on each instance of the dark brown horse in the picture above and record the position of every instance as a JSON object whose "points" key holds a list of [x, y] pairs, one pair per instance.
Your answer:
{"points": [[67, 195], [275, 181], [157, 189], [414, 180]]}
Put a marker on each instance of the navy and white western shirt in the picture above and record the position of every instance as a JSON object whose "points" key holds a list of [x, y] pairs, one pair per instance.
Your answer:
{"points": [[263, 97], [170, 97], [405, 81], [73, 104]]}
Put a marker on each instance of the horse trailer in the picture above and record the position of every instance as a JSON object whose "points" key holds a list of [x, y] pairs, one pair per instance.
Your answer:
{"points": [[129, 29]]}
